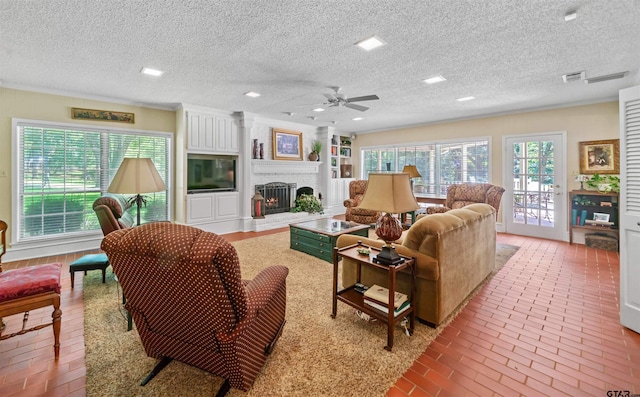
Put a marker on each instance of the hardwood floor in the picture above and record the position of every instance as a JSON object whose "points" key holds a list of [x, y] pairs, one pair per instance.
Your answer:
{"points": [[547, 324]]}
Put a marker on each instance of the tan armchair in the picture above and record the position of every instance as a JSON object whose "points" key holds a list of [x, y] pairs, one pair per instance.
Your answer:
{"points": [[189, 303], [464, 194], [353, 213]]}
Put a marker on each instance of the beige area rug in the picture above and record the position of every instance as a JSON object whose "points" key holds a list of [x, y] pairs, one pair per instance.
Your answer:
{"points": [[316, 355]]}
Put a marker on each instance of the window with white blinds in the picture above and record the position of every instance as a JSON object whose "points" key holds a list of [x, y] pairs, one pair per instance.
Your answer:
{"points": [[439, 164], [62, 170]]}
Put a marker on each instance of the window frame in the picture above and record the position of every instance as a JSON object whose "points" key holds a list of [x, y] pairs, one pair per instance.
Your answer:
{"points": [[438, 146], [85, 235]]}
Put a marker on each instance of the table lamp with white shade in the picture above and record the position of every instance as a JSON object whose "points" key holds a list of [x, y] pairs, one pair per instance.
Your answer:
{"points": [[137, 176], [391, 194]]}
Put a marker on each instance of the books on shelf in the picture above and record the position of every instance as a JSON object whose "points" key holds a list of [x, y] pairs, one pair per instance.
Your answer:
{"points": [[598, 223], [380, 295], [385, 309]]}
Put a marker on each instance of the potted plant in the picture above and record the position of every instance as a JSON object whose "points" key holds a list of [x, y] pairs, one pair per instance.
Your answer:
{"points": [[604, 183], [316, 148], [308, 203]]}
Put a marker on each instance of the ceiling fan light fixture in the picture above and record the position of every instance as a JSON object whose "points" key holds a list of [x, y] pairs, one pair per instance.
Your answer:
{"points": [[434, 79], [466, 98], [252, 94], [370, 43], [151, 72]]}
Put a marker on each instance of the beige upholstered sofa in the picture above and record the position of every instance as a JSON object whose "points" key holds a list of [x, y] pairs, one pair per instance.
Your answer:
{"points": [[455, 251]]}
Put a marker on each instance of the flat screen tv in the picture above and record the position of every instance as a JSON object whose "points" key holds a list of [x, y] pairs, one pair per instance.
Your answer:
{"points": [[210, 173]]}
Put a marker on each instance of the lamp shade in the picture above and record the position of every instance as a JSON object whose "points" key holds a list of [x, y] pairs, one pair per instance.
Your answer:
{"points": [[411, 170], [390, 193], [136, 176]]}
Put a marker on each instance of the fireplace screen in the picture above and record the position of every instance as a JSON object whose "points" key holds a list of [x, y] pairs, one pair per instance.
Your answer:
{"points": [[278, 197]]}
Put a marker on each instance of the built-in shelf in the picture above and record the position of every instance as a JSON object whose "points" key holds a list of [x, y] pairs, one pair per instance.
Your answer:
{"points": [[284, 166]]}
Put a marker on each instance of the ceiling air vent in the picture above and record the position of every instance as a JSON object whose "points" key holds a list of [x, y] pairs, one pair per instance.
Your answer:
{"points": [[599, 79], [569, 77]]}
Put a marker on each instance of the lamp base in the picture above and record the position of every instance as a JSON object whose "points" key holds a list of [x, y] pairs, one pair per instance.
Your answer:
{"points": [[388, 256]]}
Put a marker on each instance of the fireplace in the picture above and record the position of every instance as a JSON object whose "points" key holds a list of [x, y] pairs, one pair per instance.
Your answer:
{"points": [[278, 196]]}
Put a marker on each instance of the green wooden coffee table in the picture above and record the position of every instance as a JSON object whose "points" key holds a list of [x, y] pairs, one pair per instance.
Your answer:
{"points": [[318, 237]]}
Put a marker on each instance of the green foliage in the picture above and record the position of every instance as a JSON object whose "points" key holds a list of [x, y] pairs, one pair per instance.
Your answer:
{"points": [[54, 214], [316, 146], [308, 203], [605, 183]]}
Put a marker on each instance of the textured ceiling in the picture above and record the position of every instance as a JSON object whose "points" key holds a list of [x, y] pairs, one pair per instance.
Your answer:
{"points": [[510, 55]]}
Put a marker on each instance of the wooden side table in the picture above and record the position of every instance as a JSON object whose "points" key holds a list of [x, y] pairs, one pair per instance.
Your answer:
{"points": [[355, 299]]}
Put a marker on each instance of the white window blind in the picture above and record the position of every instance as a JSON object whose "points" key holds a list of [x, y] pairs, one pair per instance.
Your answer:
{"points": [[62, 171]]}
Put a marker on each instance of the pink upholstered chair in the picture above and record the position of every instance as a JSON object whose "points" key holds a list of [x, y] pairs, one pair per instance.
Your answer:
{"points": [[353, 213], [189, 303], [29, 288], [464, 194]]}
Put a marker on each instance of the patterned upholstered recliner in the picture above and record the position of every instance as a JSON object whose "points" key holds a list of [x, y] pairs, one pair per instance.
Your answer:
{"points": [[464, 194], [353, 213], [184, 290], [111, 210]]}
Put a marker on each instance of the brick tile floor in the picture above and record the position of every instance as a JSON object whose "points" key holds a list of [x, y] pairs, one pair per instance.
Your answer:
{"points": [[546, 325]]}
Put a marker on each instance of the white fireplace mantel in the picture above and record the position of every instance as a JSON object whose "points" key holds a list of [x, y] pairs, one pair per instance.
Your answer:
{"points": [[285, 167]]}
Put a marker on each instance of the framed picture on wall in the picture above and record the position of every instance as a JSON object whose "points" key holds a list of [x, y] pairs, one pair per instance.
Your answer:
{"points": [[600, 157], [287, 145]]}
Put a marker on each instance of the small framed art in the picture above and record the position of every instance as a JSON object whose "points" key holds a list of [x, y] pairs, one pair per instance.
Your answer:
{"points": [[600, 157]]}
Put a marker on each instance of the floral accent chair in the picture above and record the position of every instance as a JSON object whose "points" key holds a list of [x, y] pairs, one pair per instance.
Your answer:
{"points": [[189, 303], [464, 194], [355, 214]]}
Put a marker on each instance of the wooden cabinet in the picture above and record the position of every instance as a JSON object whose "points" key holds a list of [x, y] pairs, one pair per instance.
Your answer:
{"points": [[593, 212], [210, 132]]}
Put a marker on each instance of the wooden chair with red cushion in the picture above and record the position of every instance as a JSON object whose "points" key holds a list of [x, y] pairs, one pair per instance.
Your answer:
{"points": [[26, 289]]}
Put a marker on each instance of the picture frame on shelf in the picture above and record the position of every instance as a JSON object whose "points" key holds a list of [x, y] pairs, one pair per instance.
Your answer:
{"points": [[287, 144], [600, 217], [600, 157]]}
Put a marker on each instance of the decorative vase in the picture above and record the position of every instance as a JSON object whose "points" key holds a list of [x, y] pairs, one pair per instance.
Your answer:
{"points": [[262, 151], [255, 148], [313, 156]]}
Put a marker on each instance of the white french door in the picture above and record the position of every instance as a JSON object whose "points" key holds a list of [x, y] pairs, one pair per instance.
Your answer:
{"points": [[630, 208], [535, 198]]}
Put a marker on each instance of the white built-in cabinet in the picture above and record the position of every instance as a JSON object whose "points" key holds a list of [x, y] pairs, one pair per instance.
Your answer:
{"points": [[212, 207], [210, 132], [339, 191]]}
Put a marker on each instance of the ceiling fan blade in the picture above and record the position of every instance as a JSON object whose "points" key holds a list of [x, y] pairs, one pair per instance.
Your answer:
{"points": [[330, 97], [363, 98], [356, 107], [312, 104]]}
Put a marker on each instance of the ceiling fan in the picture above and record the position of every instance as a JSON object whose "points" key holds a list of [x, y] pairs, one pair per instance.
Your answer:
{"points": [[338, 99]]}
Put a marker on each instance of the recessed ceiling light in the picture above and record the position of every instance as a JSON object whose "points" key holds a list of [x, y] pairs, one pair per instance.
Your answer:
{"points": [[333, 122], [152, 72], [434, 79], [570, 16], [318, 110], [252, 94], [289, 113], [356, 118], [466, 98], [370, 43]]}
